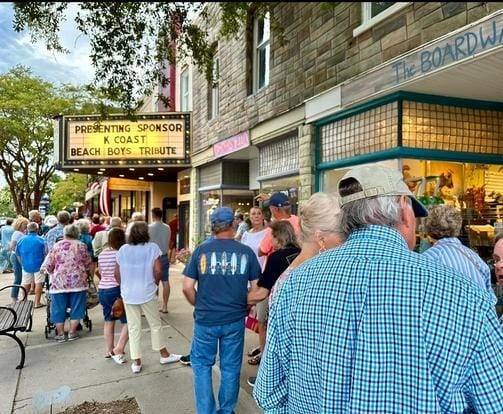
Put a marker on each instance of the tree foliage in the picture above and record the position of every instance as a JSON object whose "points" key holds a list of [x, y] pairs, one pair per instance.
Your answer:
{"points": [[6, 205], [132, 43], [68, 191], [28, 105]]}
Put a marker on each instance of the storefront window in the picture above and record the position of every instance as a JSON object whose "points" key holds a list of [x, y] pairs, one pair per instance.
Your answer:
{"points": [[286, 185], [238, 200], [476, 190]]}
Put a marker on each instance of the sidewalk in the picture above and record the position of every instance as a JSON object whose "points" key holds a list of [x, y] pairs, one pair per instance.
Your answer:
{"points": [[73, 372]]}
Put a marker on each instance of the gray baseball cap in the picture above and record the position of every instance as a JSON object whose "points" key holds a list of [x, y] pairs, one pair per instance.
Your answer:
{"points": [[379, 181]]}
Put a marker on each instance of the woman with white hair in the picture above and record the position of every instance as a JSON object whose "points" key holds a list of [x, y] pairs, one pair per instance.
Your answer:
{"points": [[67, 263], [319, 231]]}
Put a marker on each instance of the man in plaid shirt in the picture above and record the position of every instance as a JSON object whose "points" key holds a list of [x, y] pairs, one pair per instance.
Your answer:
{"points": [[372, 327]]}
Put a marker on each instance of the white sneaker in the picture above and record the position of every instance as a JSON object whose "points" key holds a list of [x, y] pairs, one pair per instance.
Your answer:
{"points": [[135, 368], [170, 359]]}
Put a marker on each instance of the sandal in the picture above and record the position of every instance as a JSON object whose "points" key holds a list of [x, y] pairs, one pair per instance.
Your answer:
{"points": [[254, 352], [255, 360], [118, 359]]}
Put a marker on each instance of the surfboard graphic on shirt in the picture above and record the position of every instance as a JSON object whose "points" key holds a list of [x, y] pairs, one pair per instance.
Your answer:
{"points": [[203, 263], [234, 263], [223, 262], [213, 262], [244, 262]]}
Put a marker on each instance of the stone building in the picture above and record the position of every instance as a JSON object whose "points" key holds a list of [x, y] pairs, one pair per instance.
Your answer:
{"points": [[416, 86]]}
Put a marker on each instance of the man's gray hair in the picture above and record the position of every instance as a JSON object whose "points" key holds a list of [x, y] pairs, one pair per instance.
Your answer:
{"points": [[221, 227], [32, 213], [382, 211], [63, 217], [32, 227], [72, 231]]}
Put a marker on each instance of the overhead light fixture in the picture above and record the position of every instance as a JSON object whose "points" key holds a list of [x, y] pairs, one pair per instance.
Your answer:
{"points": [[150, 174], [121, 175], [102, 169], [140, 178], [100, 172], [161, 169], [131, 169], [75, 169]]}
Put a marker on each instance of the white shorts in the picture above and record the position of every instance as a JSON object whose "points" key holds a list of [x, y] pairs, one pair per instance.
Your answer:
{"points": [[29, 276]]}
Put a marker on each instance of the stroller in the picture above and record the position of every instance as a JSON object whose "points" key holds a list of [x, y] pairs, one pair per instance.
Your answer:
{"points": [[91, 302]]}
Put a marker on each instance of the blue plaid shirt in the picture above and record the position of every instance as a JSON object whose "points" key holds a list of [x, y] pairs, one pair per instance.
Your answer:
{"points": [[452, 253], [371, 327]]}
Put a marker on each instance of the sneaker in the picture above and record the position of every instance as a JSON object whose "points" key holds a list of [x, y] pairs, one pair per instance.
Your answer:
{"points": [[185, 360], [251, 381], [119, 359], [60, 338], [73, 336], [170, 359], [135, 368]]}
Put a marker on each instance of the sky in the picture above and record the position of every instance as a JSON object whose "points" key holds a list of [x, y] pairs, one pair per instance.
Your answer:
{"points": [[16, 48]]}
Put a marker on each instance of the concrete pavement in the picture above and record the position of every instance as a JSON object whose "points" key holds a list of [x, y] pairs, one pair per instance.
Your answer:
{"points": [[57, 376]]}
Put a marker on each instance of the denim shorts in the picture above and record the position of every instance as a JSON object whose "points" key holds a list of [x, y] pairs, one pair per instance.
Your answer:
{"points": [[60, 302], [107, 299], [165, 268]]}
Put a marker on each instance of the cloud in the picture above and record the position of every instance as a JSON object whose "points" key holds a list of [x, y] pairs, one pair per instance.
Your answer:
{"points": [[17, 49]]}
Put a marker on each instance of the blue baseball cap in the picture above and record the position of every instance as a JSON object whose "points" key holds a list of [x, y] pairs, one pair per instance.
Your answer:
{"points": [[222, 215], [277, 200]]}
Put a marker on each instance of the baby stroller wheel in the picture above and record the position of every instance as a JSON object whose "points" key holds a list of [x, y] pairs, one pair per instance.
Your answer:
{"points": [[47, 331], [90, 326]]}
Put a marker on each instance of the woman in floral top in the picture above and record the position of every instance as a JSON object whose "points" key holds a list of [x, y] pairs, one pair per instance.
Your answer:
{"points": [[67, 263]]}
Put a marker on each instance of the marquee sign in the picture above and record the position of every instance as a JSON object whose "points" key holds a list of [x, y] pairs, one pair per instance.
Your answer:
{"points": [[160, 139]]}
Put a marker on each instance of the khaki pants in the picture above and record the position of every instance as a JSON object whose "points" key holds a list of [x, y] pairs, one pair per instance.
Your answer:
{"points": [[133, 313]]}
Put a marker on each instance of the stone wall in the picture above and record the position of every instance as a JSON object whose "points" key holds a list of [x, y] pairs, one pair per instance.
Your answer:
{"points": [[320, 52]]}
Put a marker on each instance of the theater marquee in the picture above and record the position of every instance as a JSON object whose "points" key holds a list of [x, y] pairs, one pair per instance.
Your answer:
{"points": [[160, 139]]}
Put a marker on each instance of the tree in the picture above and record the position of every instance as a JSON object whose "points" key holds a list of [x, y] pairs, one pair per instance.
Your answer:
{"points": [[27, 107], [68, 191], [132, 42], [6, 205]]}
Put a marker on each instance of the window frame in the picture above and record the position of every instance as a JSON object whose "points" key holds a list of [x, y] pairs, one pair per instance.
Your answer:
{"points": [[368, 21], [213, 89], [185, 94], [265, 44]]}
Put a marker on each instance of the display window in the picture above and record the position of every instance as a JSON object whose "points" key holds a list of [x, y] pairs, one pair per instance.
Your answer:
{"points": [[240, 201], [475, 189], [286, 185]]}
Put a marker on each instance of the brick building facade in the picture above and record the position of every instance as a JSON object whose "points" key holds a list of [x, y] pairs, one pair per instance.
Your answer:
{"points": [[342, 66]]}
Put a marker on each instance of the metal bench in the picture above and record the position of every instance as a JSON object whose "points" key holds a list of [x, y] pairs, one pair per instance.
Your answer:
{"points": [[16, 318]]}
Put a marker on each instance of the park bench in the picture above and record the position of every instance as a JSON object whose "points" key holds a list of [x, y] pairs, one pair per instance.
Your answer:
{"points": [[15, 318]]}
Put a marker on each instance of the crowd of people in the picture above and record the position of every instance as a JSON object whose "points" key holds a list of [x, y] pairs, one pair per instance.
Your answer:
{"points": [[65, 253], [350, 317]]}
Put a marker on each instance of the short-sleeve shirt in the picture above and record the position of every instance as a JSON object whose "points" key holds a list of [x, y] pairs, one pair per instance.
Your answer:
{"points": [[106, 265], [31, 249], [137, 272], [222, 268], [266, 244], [277, 262], [160, 234]]}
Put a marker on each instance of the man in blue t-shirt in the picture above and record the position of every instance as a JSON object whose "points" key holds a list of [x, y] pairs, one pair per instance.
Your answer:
{"points": [[223, 270]]}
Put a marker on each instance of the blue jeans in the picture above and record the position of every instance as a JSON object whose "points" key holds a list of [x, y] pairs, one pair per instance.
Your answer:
{"points": [[229, 339], [18, 275]]}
